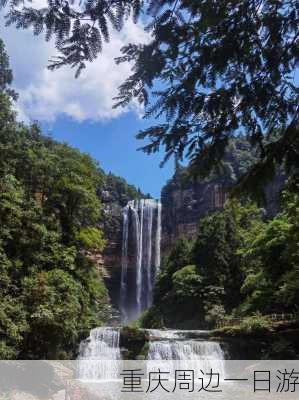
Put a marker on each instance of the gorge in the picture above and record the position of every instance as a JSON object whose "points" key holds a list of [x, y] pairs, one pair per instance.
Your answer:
{"points": [[209, 271], [65, 254], [146, 229], [184, 201]]}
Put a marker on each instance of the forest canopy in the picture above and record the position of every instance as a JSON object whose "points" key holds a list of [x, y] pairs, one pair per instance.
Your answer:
{"points": [[51, 293]]}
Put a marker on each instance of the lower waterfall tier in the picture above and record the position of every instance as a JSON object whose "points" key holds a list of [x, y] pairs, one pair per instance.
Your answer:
{"points": [[101, 352]]}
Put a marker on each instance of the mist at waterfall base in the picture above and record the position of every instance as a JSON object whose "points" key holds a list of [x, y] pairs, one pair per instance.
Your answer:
{"points": [[54, 379], [140, 256]]}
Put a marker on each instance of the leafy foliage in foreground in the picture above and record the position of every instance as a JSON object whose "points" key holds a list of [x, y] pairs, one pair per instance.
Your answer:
{"points": [[51, 293], [240, 265], [80, 28], [210, 73], [211, 70]]}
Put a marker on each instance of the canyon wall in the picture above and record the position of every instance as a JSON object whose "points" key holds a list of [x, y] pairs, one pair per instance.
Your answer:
{"points": [[185, 201]]}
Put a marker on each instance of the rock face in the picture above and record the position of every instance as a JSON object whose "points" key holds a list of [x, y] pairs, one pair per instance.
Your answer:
{"points": [[185, 202], [183, 207]]}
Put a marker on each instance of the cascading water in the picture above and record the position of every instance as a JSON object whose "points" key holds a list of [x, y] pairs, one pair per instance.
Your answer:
{"points": [[185, 353], [124, 262], [141, 238], [99, 355], [185, 350], [158, 239]]}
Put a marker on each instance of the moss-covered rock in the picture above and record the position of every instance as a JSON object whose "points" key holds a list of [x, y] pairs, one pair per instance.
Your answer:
{"points": [[152, 319], [134, 343], [259, 338]]}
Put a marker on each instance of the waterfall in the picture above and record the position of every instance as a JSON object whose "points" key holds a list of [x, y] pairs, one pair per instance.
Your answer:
{"points": [[186, 353], [148, 254], [124, 261], [185, 350], [99, 355], [157, 334], [139, 241], [141, 238], [158, 239]]}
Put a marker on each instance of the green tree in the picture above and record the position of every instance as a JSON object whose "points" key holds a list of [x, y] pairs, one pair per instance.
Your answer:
{"points": [[59, 311], [270, 258], [178, 258], [215, 253], [44, 283], [6, 75], [91, 238], [208, 71], [51, 293], [79, 28], [203, 281]]}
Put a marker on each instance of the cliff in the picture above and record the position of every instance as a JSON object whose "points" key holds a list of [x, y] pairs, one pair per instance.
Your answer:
{"points": [[186, 201]]}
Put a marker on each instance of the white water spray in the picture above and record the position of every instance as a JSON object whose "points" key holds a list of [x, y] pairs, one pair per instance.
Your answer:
{"points": [[185, 353], [141, 236], [124, 261], [158, 239], [99, 355]]}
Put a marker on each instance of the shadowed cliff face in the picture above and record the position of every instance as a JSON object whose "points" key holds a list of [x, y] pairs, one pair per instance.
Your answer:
{"points": [[184, 206], [186, 201]]}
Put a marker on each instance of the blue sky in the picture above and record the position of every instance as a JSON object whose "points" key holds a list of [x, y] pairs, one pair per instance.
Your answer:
{"points": [[79, 111], [113, 144]]}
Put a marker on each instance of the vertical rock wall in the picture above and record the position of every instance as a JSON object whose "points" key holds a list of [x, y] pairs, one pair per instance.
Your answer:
{"points": [[185, 202]]}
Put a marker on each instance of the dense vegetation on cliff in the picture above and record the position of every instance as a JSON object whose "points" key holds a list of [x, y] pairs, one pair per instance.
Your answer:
{"points": [[50, 214], [115, 193], [237, 160], [239, 265]]}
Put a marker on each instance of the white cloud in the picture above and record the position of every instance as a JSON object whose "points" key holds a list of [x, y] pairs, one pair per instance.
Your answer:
{"points": [[44, 94]]}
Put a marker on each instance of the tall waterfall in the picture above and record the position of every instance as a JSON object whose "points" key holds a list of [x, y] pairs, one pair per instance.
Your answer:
{"points": [[140, 254], [99, 354]]}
